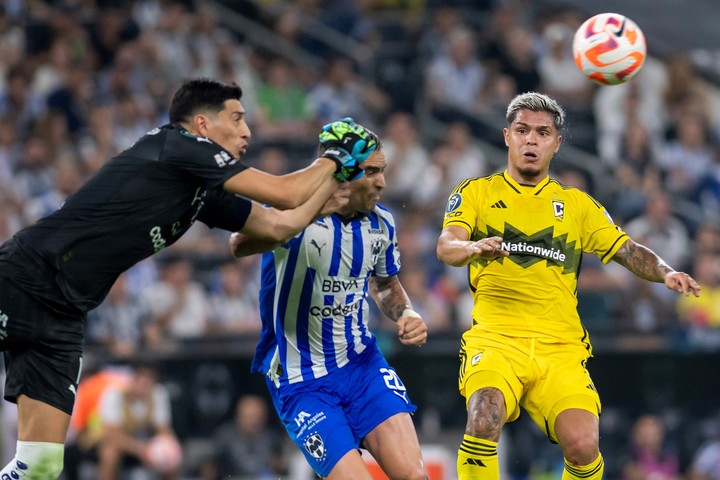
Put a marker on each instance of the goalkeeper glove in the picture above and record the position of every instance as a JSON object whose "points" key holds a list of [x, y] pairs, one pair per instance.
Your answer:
{"points": [[348, 145]]}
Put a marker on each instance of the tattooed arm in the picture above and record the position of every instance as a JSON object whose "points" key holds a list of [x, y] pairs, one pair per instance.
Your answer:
{"points": [[647, 265], [393, 301]]}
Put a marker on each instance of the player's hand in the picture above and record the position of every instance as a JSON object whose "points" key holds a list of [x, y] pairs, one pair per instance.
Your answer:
{"points": [[683, 283], [348, 145], [486, 248], [412, 329], [337, 201]]}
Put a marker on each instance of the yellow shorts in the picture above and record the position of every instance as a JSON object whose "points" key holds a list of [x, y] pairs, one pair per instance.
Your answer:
{"points": [[543, 376]]}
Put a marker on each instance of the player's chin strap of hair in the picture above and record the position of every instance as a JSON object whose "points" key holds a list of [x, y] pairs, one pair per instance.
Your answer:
{"points": [[35, 460]]}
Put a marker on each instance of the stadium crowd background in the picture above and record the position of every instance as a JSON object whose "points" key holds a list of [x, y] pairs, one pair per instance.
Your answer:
{"points": [[82, 80]]}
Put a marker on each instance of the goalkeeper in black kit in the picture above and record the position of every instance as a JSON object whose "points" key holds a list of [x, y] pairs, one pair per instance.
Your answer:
{"points": [[143, 200]]}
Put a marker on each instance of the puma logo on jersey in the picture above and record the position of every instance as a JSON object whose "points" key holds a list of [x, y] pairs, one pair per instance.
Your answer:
{"points": [[319, 247], [498, 204]]}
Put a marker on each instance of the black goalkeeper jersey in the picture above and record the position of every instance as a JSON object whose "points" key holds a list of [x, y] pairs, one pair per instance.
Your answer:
{"points": [[140, 202]]}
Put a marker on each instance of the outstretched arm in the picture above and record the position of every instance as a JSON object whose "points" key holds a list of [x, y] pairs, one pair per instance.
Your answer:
{"points": [[394, 302], [267, 228], [345, 145], [455, 248], [284, 191], [647, 265]]}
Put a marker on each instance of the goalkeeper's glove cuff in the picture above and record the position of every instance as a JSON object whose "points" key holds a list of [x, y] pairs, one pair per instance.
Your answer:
{"points": [[339, 156], [346, 167]]}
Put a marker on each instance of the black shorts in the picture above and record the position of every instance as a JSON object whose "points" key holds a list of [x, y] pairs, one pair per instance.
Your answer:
{"points": [[42, 349]]}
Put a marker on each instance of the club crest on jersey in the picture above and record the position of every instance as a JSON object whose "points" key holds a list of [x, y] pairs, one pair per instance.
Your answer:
{"points": [[453, 203], [315, 446], [375, 249], [558, 209]]}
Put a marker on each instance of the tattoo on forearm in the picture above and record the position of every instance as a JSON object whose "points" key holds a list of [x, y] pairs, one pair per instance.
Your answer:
{"points": [[642, 261], [389, 296], [486, 414]]}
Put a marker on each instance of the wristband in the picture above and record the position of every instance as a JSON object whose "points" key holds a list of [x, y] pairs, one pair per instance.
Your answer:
{"points": [[409, 312]]}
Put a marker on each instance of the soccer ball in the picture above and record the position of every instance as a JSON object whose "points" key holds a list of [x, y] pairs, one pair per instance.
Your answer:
{"points": [[609, 48], [164, 453]]}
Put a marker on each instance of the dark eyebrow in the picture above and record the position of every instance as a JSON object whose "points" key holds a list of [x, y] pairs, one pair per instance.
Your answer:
{"points": [[539, 127]]}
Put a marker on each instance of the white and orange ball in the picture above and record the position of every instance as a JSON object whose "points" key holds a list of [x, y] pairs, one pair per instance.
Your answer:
{"points": [[164, 453], [609, 48]]}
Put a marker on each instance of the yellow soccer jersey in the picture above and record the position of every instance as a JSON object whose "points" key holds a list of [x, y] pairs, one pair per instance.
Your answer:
{"points": [[533, 292]]}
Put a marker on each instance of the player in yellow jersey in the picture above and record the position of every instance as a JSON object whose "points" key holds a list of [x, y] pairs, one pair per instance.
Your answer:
{"points": [[522, 235]]}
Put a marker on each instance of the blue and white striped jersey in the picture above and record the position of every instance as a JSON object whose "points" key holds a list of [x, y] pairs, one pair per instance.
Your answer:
{"points": [[313, 298]]}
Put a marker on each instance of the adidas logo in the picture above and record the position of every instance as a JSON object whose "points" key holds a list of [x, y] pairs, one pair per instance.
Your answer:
{"points": [[474, 461], [498, 204]]}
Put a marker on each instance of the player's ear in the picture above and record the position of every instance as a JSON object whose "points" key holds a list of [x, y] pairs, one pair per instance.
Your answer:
{"points": [[559, 142], [200, 123], [505, 136]]}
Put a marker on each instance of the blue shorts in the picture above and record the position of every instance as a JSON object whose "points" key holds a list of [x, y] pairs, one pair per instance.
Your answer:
{"points": [[330, 416]]}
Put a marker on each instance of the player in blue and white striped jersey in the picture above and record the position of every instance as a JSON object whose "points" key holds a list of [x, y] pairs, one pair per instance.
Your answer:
{"points": [[330, 384]]}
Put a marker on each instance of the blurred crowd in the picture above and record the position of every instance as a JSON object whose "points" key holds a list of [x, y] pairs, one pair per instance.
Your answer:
{"points": [[81, 80]]}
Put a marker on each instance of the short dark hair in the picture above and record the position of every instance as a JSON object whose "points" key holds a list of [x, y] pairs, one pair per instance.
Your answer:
{"points": [[201, 94]]}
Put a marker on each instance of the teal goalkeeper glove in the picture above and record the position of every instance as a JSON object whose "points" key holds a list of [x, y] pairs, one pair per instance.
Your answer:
{"points": [[348, 145]]}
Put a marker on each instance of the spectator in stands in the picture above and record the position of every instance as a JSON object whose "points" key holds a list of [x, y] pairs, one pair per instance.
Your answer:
{"points": [[707, 237], [178, 304], [9, 221], [661, 231], [559, 76], [706, 460], [96, 143], [456, 79], [85, 433], [282, 102], [173, 42], [18, 101], [434, 39], [409, 157], [206, 39], [12, 44], [708, 192], [247, 447], [456, 158], [132, 121], [639, 100], [35, 174], [74, 97], [66, 180], [703, 312], [685, 89], [518, 59], [341, 91], [688, 157], [273, 160], [132, 417], [233, 306], [650, 457], [636, 171], [117, 324], [428, 303]]}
